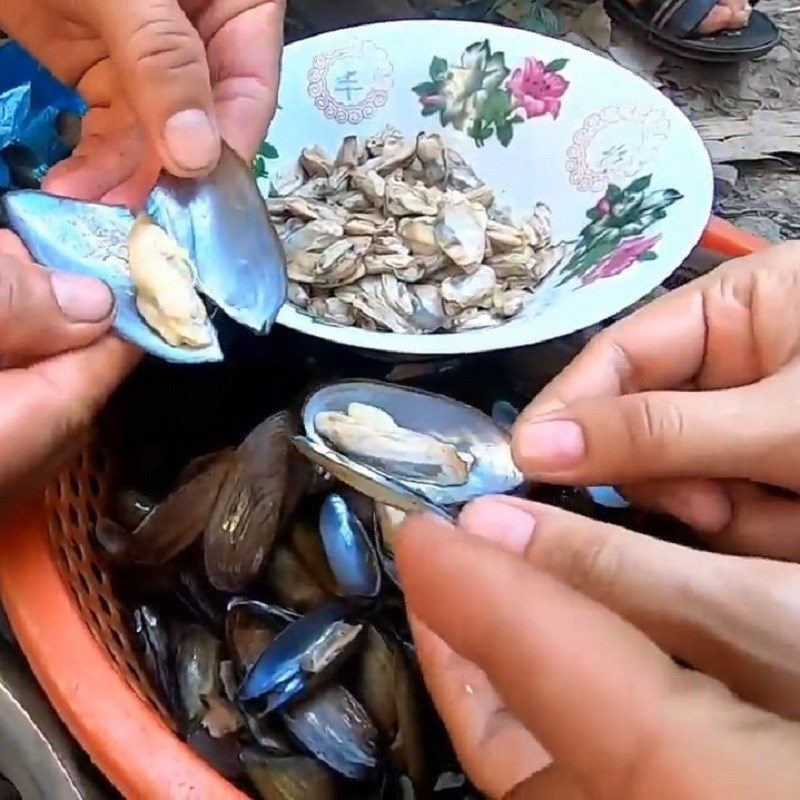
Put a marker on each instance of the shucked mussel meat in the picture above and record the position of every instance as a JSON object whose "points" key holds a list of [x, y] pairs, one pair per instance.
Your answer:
{"points": [[311, 679], [209, 237]]}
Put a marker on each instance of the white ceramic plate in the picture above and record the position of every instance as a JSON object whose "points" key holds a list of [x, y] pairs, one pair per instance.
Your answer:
{"points": [[626, 177]]}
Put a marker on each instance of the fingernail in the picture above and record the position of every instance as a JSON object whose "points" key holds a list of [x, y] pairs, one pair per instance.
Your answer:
{"points": [[507, 526], [192, 139], [550, 446], [80, 298]]}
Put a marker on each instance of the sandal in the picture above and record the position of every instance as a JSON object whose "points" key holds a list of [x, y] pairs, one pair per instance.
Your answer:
{"points": [[670, 25]]}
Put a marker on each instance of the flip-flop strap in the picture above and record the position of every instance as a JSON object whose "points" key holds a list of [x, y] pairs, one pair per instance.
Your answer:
{"points": [[678, 17]]}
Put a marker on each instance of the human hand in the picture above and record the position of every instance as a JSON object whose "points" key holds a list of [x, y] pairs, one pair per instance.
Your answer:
{"points": [[163, 79], [59, 363], [689, 406], [536, 625]]}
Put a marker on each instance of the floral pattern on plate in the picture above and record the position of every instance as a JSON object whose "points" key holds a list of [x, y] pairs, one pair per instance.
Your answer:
{"points": [[614, 145], [614, 240], [486, 99]]}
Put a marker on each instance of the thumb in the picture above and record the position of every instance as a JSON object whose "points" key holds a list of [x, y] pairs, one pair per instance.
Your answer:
{"points": [[650, 435], [161, 62]]}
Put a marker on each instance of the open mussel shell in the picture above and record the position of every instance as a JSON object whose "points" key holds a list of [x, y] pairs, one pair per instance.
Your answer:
{"points": [[153, 640], [387, 688], [365, 480], [250, 627], [220, 220], [300, 657], [349, 549], [92, 239], [470, 432]]}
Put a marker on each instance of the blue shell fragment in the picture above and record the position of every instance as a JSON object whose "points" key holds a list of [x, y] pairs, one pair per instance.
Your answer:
{"points": [[350, 552]]}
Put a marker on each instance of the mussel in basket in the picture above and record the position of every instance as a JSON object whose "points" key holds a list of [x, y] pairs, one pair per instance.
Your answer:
{"points": [[248, 511], [304, 654], [349, 549], [335, 727], [406, 447]]}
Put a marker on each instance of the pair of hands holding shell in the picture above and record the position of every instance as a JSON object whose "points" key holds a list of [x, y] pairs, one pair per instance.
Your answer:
{"points": [[547, 639], [164, 80]]}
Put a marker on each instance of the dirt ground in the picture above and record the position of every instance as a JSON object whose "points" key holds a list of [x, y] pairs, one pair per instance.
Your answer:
{"points": [[748, 115]]}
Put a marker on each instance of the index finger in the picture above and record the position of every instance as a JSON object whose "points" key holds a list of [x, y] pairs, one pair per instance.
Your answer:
{"points": [[589, 686], [244, 55], [705, 333]]}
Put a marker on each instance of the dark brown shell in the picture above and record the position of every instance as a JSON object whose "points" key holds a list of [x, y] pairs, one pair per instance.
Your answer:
{"points": [[176, 522], [247, 515]]}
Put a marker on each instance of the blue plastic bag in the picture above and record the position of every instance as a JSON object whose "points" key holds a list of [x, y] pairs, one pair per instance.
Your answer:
{"points": [[31, 102]]}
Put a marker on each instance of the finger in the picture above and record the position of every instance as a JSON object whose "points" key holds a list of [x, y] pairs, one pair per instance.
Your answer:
{"points": [[652, 435], [603, 684], [553, 783], [43, 313], [162, 62], [62, 395], [691, 335], [702, 504], [11, 245], [761, 524], [703, 608], [244, 53], [493, 747], [99, 165]]}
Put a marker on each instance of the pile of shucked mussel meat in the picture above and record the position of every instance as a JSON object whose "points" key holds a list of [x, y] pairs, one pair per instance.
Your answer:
{"points": [[275, 632]]}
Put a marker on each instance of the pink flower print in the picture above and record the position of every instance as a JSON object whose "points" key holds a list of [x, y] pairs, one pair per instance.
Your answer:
{"points": [[603, 207], [625, 256], [537, 89]]}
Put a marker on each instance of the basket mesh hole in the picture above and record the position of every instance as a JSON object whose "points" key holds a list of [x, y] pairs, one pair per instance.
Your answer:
{"points": [[105, 605], [94, 486], [78, 550], [75, 503]]}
